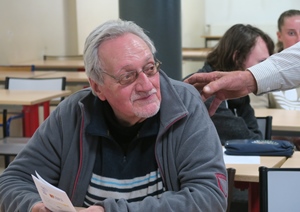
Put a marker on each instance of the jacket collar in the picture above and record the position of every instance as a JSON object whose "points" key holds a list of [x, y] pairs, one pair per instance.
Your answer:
{"points": [[172, 108]]}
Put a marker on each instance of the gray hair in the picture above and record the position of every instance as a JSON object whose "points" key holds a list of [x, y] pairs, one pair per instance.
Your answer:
{"points": [[107, 31]]}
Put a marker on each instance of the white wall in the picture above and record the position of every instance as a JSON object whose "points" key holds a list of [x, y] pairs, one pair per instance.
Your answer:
{"points": [[31, 28], [92, 13], [260, 13], [193, 26]]}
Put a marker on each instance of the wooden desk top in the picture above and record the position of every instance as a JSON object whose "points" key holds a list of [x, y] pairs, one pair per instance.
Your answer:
{"points": [[292, 162], [198, 54], [212, 37], [55, 64], [283, 120], [71, 76], [23, 74], [250, 173], [20, 97]]}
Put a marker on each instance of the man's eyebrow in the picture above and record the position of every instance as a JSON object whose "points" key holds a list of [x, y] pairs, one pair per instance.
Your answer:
{"points": [[146, 61]]}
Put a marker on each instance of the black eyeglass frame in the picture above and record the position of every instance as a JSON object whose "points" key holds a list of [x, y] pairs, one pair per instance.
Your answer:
{"points": [[122, 76]]}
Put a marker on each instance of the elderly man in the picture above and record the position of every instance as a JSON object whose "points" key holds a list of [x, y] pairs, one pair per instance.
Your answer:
{"points": [[135, 141]]}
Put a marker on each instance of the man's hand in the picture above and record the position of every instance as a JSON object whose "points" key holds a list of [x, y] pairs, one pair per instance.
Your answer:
{"points": [[223, 85]]}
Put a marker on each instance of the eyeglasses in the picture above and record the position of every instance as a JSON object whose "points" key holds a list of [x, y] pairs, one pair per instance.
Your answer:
{"points": [[129, 77]]}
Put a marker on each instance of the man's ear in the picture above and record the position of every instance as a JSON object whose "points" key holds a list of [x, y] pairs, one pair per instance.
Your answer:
{"points": [[97, 89]]}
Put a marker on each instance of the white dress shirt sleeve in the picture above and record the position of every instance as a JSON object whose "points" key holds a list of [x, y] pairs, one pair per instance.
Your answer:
{"points": [[281, 71]]}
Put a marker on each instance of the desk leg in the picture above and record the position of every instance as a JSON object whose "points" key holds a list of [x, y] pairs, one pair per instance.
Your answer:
{"points": [[46, 106], [31, 119], [253, 197]]}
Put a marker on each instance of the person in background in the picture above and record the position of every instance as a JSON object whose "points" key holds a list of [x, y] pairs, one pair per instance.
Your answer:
{"points": [[240, 47], [280, 71], [130, 142], [288, 34]]}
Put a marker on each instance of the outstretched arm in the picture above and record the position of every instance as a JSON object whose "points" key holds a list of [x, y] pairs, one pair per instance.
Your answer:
{"points": [[223, 85], [278, 72]]}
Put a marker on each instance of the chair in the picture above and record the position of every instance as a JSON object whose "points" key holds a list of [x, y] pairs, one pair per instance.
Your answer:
{"points": [[11, 146], [265, 126], [230, 179], [17, 68], [21, 68], [63, 57], [12, 83], [279, 189]]}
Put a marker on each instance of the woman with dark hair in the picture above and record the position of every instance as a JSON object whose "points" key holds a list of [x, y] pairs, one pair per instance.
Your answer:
{"points": [[236, 48], [241, 46]]}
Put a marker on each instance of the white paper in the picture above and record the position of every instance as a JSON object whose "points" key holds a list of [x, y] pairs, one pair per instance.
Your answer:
{"points": [[240, 159], [54, 198]]}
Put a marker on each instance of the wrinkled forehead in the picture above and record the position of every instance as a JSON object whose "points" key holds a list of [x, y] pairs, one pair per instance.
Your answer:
{"points": [[123, 51]]}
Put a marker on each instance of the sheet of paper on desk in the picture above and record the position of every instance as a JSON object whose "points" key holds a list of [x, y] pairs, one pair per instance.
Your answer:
{"points": [[239, 159], [54, 198]]}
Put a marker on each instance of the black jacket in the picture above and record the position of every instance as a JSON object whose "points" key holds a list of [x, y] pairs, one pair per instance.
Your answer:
{"points": [[234, 119]]}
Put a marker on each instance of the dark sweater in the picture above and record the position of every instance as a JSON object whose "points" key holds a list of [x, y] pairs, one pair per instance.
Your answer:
{"points": [[234, 119]]}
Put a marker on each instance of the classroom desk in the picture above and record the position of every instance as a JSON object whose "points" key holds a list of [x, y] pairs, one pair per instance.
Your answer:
{"points": [[208, 38], [55, 64], [30, 100], [292, 162], [285, 122], [21, 74], [72, 77], [195, 54], [247, 177]]}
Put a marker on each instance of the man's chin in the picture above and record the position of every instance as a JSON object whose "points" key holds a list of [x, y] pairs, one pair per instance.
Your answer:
{"points": [[147, 111]]}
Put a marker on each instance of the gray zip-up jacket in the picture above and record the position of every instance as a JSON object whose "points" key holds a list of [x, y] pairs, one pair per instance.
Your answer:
{"points": [[188, 153]]}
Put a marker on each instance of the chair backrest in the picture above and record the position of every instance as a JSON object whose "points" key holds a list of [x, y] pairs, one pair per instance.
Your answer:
{"points": [[52, 84], [17, 68], [63, 57], [279, 189], [265, 126], [230, 179]]}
